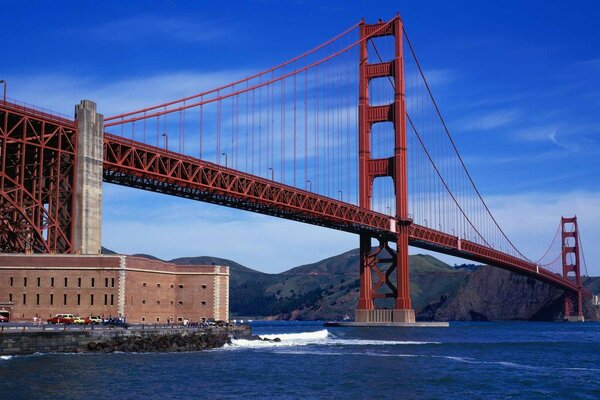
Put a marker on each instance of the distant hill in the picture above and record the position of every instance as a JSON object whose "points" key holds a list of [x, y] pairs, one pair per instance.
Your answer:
{"points": [[148, 256], [328, 290], [239, 274], [106, 251]]}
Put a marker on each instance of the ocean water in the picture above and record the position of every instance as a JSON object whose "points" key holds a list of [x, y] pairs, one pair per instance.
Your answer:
{"points": [[505, 360]]}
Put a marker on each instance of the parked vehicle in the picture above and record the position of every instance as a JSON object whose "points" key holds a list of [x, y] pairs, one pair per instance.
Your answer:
{"points": [[81, 321], [115, 322], [62, 319], [95, 319], [3, 318]]}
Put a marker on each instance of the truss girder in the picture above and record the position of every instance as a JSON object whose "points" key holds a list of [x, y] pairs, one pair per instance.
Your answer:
{"points": [[37, 168]]}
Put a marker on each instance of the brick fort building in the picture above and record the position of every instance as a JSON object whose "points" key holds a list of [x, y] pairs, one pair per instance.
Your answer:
{"points": [[139, 289]]}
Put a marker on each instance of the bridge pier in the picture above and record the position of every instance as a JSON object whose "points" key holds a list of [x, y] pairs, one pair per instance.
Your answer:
{"points": [[87, 215], [381, 262]]}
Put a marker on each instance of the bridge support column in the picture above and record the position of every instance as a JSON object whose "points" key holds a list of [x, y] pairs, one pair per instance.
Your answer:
{"points": [[571, 269], [365, 301], [403, 311], [383, 261], [87, 218], [384, 277]]}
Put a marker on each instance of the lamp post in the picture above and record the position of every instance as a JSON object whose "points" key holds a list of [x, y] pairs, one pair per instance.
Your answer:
{"points": [[225, 154], [4, 83], [166, 136], [272, 173], [309, 185], [341, 195]]}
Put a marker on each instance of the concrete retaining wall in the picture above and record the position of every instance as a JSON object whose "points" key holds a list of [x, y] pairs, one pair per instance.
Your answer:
{"points": [[20, 342]]}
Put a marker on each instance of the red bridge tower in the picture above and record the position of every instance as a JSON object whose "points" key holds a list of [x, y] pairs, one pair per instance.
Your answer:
{"points": [[384, 260], [571, 265]]}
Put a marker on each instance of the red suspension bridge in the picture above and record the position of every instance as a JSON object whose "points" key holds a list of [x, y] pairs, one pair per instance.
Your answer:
{"points": [[346, 136]]}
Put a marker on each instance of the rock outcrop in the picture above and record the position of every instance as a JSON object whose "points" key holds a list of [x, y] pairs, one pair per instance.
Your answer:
{"points": [[161, 343]]}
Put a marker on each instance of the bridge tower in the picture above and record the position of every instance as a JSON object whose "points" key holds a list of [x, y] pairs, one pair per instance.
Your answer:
{"points": [[87, 211], [373, 262], [571, 268]]}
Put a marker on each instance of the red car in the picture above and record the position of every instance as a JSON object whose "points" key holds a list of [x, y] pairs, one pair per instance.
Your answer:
{"points": [[62, 319], [3, 318]]}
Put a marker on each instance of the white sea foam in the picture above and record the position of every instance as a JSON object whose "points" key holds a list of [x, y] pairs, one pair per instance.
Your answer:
{"points": [[510, 364], [302, 336], [5, 357], [582, 369], [322, 338]]}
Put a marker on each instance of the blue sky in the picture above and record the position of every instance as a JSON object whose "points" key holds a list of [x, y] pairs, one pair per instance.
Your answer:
{"points": [[517, 83]]}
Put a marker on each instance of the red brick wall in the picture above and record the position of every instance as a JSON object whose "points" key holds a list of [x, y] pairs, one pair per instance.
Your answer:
{"points": [[184, 292], [46, 297]]}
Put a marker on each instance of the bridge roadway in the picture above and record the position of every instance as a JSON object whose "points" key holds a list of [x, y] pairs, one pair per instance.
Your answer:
{"points": [[134, 164]]}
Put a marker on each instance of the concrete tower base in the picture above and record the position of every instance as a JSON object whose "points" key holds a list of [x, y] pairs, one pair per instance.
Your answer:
{"points": [[385, 316], [575, 318], [388, 324]]}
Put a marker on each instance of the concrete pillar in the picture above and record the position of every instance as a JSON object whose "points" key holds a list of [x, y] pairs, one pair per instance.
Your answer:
{"points": [[87, 227], [122, 277]]}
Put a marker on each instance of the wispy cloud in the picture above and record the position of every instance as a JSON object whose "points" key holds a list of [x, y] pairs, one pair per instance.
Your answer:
{"points": [[170, 227], [594, 63], [541, 134], [572, 138], [142, 27], [534, 134], [61, 92], [489, 120], [517, 159], [440, 77], [530, 220]]}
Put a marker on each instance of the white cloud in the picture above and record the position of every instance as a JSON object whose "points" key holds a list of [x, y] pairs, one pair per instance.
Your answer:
{"points": [[61, 92], [530, 220], [572, 137], [534, 134], [437, 78], [168, 227], [523, 159], [143, 27], [487, 121], [594, 63]]}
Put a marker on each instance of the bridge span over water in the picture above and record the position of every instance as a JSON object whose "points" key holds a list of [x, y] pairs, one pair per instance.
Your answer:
{"points": [[346, 136]]}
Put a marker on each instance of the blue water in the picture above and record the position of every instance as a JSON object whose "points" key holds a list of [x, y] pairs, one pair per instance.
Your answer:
{"points": [[466, 361]]}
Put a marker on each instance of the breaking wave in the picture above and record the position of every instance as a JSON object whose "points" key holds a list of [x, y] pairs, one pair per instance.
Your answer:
{"points": [[322, 337]]}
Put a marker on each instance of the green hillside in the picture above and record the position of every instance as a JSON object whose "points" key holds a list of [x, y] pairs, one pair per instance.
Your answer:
{"points": [[328, 290]]}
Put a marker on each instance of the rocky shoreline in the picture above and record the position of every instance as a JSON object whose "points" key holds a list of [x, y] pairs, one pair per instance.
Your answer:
{"points": [[136, 339], [195, 341]]}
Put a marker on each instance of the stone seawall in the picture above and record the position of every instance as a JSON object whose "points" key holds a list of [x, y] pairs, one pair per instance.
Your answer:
{"points": [[137, 339]]}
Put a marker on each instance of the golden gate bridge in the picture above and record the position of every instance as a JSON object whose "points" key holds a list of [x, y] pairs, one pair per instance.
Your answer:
{"points": [[347, 136]]}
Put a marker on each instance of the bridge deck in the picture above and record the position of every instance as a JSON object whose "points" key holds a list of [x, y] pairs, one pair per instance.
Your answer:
{"points": [[138, 165], [134, 164]]}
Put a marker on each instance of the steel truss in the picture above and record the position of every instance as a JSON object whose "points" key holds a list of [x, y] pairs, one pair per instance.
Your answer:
{"points": [[146, 167], [37, 175]]}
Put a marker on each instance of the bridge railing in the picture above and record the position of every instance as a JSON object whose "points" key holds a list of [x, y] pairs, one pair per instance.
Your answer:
{"points": [[36, 111]]}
